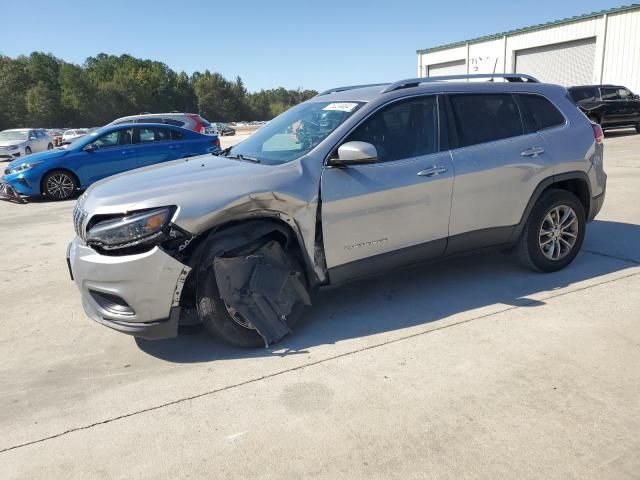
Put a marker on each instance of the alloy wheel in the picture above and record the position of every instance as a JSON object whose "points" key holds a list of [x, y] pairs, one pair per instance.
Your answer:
{"points": [[558, 233], [59, 186]]}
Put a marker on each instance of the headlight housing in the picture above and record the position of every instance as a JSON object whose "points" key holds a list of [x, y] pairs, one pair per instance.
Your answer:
{"points": [[130, 230], [22, 167]]}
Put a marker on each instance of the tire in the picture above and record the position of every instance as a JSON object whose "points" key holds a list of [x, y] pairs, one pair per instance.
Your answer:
{"points": [[50, 147], [217, 318], [59, 185], [546, 245], [27, 151], [638, 128]]}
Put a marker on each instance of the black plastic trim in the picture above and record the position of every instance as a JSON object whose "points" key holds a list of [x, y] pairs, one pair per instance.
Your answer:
{"points": [[387, 261]]}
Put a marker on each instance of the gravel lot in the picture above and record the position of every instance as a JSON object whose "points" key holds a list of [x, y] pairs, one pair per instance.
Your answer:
{"points": [[469, 368]]}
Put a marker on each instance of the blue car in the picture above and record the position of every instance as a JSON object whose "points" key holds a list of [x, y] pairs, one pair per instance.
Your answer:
{"points": [[59, 174]]}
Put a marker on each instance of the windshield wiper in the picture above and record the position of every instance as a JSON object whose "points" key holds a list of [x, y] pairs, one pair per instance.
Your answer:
{"points": [[225, 153]]}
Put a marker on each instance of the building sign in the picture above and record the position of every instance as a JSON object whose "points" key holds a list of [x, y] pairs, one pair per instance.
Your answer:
{"points": [[485, 64]]}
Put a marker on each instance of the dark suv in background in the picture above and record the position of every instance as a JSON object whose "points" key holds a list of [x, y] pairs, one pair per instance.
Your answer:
{"points": [[611, 106]]}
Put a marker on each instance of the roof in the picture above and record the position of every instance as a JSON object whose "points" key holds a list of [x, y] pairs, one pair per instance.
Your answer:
{"points": [[624, 8]]}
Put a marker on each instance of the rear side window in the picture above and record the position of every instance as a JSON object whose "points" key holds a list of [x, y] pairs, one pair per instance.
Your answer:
{"points": [[581, 94], [541, 112], [405, 129], [150, 135], [484, 118], [171, 121], [176, 135]]}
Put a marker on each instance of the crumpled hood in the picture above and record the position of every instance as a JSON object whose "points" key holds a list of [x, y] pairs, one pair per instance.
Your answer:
{"points": [[200, 187], [38, 157]]}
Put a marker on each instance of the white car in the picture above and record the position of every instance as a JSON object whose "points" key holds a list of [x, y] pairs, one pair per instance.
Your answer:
{"points": [[23, 141], [71, 135]]}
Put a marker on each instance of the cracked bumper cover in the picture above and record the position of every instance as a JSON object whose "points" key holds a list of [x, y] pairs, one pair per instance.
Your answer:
{"points": [[150, 283]]}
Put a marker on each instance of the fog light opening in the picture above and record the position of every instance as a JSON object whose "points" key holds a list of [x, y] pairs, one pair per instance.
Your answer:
{"points": [[112, 303]]}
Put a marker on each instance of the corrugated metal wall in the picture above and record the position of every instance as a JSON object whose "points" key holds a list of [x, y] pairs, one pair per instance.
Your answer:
{"points": [[614, 58], [622, 51]]}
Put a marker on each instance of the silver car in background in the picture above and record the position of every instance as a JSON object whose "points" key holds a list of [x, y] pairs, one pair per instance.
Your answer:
{"points": [[353, 182], [19, 142]]}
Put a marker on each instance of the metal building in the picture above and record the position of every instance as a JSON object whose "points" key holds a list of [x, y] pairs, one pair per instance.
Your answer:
{"points": [[599, 47]]}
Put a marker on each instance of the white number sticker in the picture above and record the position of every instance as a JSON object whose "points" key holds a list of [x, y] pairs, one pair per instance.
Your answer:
{"points": [[341, 107]]}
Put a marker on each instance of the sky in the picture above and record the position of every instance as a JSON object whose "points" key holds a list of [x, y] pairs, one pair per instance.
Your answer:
{"points": [[270, 43]]}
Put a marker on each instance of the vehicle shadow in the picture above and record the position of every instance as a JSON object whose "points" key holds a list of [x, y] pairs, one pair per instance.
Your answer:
{"points": [[420, 295]]}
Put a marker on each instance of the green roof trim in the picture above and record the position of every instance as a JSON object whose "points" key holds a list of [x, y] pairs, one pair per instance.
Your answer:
{"points": [[532, 28]]}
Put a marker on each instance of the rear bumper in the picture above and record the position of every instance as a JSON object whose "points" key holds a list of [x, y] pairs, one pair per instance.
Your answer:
{"points": [[596, 205]]}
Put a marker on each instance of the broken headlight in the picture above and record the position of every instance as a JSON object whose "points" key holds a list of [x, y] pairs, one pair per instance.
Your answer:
{"points": [[130, 230]]}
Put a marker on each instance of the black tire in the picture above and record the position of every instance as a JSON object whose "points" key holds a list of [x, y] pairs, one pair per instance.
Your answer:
{"points": [[216, 317], [59, 185], [530, 248], [27, 151], [50, 147], [638, 128]]}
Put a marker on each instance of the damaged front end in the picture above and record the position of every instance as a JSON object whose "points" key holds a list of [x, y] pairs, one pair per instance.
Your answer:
{"points": [[255, 271]]}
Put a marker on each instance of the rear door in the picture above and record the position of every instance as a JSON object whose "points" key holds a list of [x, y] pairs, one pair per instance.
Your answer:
{"points": [[155, 145], [497, 167], [394, 211], [615, 112]]}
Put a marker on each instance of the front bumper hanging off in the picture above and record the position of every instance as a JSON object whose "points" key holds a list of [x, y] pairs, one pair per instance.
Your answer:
{"points": [[134, 294]]}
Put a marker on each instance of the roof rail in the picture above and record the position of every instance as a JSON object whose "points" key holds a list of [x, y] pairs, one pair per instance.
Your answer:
{"points": [[351, 87], [414, 82]]}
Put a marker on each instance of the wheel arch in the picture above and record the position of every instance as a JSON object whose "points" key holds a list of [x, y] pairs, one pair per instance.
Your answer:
{"points": [[51, 170], [575, 182]]}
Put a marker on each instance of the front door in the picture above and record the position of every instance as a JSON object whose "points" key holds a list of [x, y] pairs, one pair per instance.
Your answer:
{"points": [[113, 154], [395, 211]]}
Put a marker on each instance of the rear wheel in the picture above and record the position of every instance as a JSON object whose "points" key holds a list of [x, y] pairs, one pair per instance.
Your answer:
{"points": [[59, 185], [554, 231]]}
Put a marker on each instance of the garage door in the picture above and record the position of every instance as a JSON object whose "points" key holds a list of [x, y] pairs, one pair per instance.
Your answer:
{"points": [[457, 67], [568, 63]]}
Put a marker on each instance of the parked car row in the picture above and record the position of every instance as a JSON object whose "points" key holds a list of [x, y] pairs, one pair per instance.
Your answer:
{"points": [[352, 182], [20, 142]]}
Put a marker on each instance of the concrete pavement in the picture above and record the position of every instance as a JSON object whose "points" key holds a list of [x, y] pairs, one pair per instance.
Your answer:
{"points": [[469, 368]]}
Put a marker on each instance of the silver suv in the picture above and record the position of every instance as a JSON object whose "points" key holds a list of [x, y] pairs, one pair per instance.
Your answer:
{"points": [[353, 182]]}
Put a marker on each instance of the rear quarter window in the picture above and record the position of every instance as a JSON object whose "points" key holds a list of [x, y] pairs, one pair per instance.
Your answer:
{"points": [[482, 118], [541, 113]]}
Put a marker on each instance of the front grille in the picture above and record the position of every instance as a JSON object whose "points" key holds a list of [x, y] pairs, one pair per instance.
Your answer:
{"points": [[79, 218]]}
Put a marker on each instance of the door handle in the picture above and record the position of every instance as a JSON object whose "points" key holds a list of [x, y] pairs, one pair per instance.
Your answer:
{"points": [[532, 152], [173, 147], [432, 171], [127, 152]]}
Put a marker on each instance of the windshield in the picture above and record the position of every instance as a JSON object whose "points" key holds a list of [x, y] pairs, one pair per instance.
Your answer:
{"points": [[295, 132], [8, 135]]}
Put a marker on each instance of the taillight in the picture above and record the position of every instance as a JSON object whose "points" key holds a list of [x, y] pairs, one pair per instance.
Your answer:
{"points": [[597, 132]]}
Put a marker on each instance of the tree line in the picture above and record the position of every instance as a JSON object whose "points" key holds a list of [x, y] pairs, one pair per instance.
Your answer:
{"points": [[44, 91]]}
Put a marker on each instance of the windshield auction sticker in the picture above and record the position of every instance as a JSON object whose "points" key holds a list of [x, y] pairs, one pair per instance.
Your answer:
{"points": [[341, 106]]}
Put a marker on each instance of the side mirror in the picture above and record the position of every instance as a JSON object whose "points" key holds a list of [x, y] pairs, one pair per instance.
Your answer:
{"points": [[92, 147], [355, 153]]}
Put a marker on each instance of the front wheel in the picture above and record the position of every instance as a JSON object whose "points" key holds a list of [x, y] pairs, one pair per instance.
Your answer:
{"points": [[27, 151], [223, 321], [59, 185], [50, 147], [554, 231]]}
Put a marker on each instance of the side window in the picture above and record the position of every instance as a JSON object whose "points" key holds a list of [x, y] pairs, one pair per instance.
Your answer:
{"points": [[404, 129], [176, 135], [625, 94], [171, 121], [484, 118], [542, 113], [579, 94], [608, 93], [114, 139], [146, 135], [162, 135]]}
